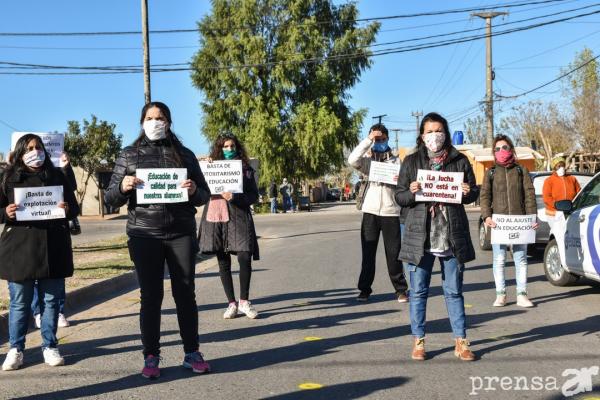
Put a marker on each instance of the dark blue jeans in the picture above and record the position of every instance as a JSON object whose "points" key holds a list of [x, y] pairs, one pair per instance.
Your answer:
{"points": [[21, 294], [36, 304], [452, 280]]}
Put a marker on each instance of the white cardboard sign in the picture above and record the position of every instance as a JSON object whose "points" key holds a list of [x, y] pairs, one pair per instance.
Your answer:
{"points": [[513, 229], [438, 186], [223, 176], [53, 142], [161, 185], [39, 203], [384, 172]]}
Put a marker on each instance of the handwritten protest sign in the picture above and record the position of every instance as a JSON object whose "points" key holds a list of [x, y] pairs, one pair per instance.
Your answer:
{"points": [[223, 176], [438, 186], [39, 203], [384, 172], [513, 229], [161, 185], [53, 142]]}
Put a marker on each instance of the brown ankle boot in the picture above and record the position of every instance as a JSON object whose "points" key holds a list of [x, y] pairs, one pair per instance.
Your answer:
{"points": [[461, 350], [418, 352]]}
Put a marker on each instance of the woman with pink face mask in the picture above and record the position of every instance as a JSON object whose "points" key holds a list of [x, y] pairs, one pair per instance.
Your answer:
{"points": [[507, 189]]}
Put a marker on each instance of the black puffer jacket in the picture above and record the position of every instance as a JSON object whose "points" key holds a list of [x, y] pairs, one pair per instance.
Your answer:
{"points": [[238, 234], [159, 221], [417, 223], [36, 249]]}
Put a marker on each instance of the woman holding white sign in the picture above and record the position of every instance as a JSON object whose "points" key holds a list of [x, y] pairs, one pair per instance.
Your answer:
{"points": [[161, 230], [507, 189], [37, 242], [227, 227], [436, 229]]}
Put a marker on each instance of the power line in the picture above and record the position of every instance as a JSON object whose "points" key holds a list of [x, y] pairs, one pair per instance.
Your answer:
{"points": [[381, 18]]}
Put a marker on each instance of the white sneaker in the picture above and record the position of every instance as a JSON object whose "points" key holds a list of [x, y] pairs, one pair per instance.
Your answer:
{"points": [[52, 357], [13, 360], [523, 301], [500, 300], [231, 311], [37, 319], [63, 322], [246, 308]]}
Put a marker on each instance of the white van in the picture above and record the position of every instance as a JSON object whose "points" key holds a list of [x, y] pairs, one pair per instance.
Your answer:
{"points": [[574, 247]]}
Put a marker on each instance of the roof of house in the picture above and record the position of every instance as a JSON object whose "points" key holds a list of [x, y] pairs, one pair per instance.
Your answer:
{"points": [[485, 154]]}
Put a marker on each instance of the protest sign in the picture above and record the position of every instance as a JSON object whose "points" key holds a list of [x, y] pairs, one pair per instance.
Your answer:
{"points": [[438, 186], [384, 172], [39, 203], [513, 229], [223, 176], [53, 142], [161, 185]]}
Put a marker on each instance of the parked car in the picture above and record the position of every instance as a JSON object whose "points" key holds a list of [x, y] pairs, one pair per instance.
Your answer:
{"points": [[542, 234], [574, 246], [334, 194]]}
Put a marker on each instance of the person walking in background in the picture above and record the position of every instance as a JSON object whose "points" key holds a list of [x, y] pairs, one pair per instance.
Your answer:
{"points": [[227, 227], [436, 230], [160, 233], [273, 196], [287, 192], [558, 186], [33, 251], [380, 215], [507, 189]]}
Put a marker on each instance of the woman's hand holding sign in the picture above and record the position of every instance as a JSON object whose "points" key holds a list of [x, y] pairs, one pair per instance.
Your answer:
{"points": [[490, 222], [466, 188], [11, 211], [415, 187], [129, 183], [190, 185], [227, 195], [64, 205]]}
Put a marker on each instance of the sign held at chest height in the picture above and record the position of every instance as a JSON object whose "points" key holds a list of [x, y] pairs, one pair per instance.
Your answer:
{"points": [[223, 176], [161, 185], [438, 186], [384, 172], [39, 203]]}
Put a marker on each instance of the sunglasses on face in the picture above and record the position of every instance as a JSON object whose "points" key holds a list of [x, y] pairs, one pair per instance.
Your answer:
{"points": [[503, 147]]}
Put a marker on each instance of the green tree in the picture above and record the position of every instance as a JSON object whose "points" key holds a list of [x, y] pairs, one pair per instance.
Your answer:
{"points": [[583, 90], [277, 74], [92, 147]]}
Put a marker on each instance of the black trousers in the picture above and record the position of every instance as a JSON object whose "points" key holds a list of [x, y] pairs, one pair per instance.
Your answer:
{"points": [[149, 256], [372, 226], [245, 261]]}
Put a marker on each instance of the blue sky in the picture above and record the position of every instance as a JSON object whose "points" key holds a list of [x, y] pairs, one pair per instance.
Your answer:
{"points": [[449, 80]]}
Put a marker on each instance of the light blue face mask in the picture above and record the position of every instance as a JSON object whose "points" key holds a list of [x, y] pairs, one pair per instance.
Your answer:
{"points": [[380, 147], [229, 154]]}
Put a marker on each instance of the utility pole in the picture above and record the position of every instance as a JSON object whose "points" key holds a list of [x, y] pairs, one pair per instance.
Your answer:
{"points": [[417, 115], [146, 45], [489, 106], [396, 132], [379, 117]]}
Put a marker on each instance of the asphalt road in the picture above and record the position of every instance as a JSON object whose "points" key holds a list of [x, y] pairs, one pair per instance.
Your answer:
{"points": [[312, 332]]}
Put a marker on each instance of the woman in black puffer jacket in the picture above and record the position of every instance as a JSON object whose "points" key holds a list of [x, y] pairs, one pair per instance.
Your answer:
{"points": [[436, 230], [162, 232]]}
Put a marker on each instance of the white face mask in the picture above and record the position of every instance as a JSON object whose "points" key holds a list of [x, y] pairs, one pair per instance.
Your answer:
{"points": [[560, 171], [434, 140], [34, 158], [155, 129]]}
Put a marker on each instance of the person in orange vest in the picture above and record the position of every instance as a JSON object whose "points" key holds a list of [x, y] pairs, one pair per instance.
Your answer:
{"points": [[558, 186]]}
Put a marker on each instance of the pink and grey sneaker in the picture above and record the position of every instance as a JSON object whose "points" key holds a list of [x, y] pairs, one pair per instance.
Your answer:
{"points": [[195, 362], [151, 370]]}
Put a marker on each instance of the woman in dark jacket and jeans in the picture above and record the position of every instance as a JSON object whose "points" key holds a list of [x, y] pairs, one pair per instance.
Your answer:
{"points": [[162, 232], [436, 230], [227, 227], [34, 250]]}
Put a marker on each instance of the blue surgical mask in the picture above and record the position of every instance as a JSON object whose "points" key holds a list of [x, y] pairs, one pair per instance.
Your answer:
{"points": [[380, 147]]}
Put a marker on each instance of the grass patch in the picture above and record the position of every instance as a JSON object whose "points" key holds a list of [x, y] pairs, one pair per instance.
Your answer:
{"points": [[102, 259]]}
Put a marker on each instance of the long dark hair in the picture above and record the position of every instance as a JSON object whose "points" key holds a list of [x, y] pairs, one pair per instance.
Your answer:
{"points": [[216, 151], [171, 138], [17, 165], [434, 117]]}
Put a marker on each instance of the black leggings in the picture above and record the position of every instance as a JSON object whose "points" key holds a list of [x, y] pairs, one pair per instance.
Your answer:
{"points": [[245, 261], [149, 256]]}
